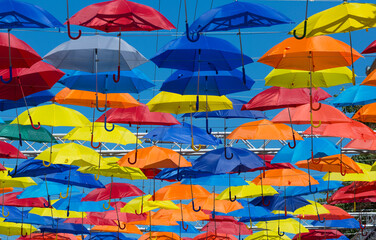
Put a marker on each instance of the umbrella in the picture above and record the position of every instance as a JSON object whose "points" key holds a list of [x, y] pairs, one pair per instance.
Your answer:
{"points": [[248, 191], [129, 228], [161, 228], [223, 206], [173, 174], [32, 168], [361, 144], [291, 78], [74, 55], [49, 236], [93, 218], [65, 228], [134, 81], [8, 151], [75, 204], [40, 190], [227, 227], [179, 191], [355, 95], [206, 82], [214, 180], [370, 79], [106, 236], [32, 100], [214, 236], [266, 234], [366, 113], [11, 199], [349, 223], [142, 204], [280, 202], [311, 208], [139, 116], [74, 178], [285, 177], [278, 97], [160, 236], [287, 225], [28, 133], [12, 229], [336, 213], [184, 213], [323, 186], [314, 234], [154, 157]]}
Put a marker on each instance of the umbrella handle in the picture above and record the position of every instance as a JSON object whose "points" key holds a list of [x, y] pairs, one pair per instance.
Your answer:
{"points": [[23, 235], [193, 207], [184, 227], [119, 225], [312, 124], [178, 176], [231, 156], [194, 148], [15, 171], [10, 76], [116, 78], [250, 225], [97, 106], [304, 32], [109, 204], [315, 161], [319, 219], [32, 124], [69, 32], [96, 176], [294, 142], [316, 109], [64, 197], [49, 163], [279, 233], [49, 202], [135, 159], [230, 198], [263, 201], [92, 143], [341, 168], [105, 125], [208, 131], [191, 39], [362, 228], [141, 212], [310, 187], [2, 211]]}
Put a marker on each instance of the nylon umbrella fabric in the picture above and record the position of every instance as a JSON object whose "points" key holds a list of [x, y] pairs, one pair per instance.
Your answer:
{"points": [[28, 133], [279, 202], [139, 116], [107, 236], [207, 82], [349, 223], [93, 218], [182, 134], [134, 81], [314, 234], [370, 48], [8, 181], [336, 213], [366, 113], [9, 151], [114, 171], [215, 180], [74, 55], [285, 225], [142, 204], [186, 213], [129, 228], [75, 204], [75, 179], [321, 187], [213, 236], [312, 208], [40, 190], [32, 100], [118, 190], [285, 177], [361, 144], [370, 79], [11, 199], [266, 234], [355, 95], [223, 206], [161, 228], [52, 212], [32, 168], [179, 191], [292, 78], [13, 229], [227, 227], [65, 228], [277, 97], [160, 236], [366, 176], [172, 173], [49, 236], [247, 191]]}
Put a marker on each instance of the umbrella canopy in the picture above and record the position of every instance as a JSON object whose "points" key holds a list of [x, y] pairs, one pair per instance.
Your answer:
{"points": [[284, 225], [32, 100], [277, 97], [302, 115], [8, 181], [223, 206], [184, 213], [40, 190], [182, 134], [206, 54], [160, 236], [214, 236], [366, 113], [12, 229], [314, 234], [119, 135], [266, 234], [216, 161], [215, 180], [173, 173], [325, 52], [321, 187], [107, 236], [93, 218], [342, 18], [178, 104], [129, 228], [120, 15], [190, 228], [248, 191], [75, 204], [23, 56], [8, 151], [11, 199], [279, 202], [134, 81], [355, 95], [336, 213], [206, 82], [178, 191], [264, 129], [291, 78], [76, 55], [312, 208], [285, 177], [53, 115], [353, 130], [344, 223], [28, 133], [92, 99], [370, 79], [154, 157], [32, 79], [321, 148], [366, 176], [227, 227], [138, 116], [361, 144], [49, 236], [32, 168], [65, 228], [112, 191], [142, 204], [74, 178]]}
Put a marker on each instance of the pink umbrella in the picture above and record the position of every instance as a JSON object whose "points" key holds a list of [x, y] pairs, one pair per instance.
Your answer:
{"points": [[362, 144], [11, 199], [227, 227]]}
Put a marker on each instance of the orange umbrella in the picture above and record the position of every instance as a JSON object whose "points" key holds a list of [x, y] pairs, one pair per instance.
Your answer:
{"points": [[370, 80], [154, 157], [185, 213], [223, 206], [263, 129], [160, 236], [285, 177], [129, 228], [92, 99], [214, 236], [152, 220], [366, 114], [178, 191], [309, 54]]}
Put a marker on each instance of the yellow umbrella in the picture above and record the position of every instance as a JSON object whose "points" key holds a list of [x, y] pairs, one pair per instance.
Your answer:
{"points": [[142, 204], [13, 229], [20, 182], [248, 191], [311, 209], [114, 171], [70, 154], [269, 235], [53, 115], [366, 176], [283, 225], [48, 212], [175, 103]]}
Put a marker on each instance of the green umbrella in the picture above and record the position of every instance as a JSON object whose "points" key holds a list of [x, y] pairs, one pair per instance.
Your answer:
{"points": [[11, 132]]}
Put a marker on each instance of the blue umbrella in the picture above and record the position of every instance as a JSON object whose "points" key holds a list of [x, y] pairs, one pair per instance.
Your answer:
{"points": [[76, 178], [279, 202], [188, 228], [134, 81], [62, 227], [180, 173], [42, 190], [355, 95], [343, 237], [207, 82], [107, 236], [249, 211], [32, 100], [75, 204], [343, 223], [206, 54], [31, 219], [269, 217], [182, 134], [321, 187], [321, 148]]}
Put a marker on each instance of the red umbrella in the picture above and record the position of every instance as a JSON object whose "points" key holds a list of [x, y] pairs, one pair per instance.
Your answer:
{"points": [[345, 195], [227, 227], [268, 159], [214, 236], [361, 187], [41, 76], [138, 116], [2, 168], [336, 213], [11, 199], [371, 48], [121, 15], [112, 191], [362, 144], [277, 97], [92, 218], [314, 234], [8, 151], [49, 236]]}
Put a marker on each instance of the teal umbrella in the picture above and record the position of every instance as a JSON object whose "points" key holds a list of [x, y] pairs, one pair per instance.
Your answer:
{"points": [[25, 132]]}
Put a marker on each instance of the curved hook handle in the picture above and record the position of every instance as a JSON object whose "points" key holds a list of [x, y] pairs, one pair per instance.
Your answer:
{"points": [[184, 227], [312, 124], [105, 125], [92, 143], [191, 39], [194, 148], [250, 225], [32, 124], [64, 197], [279, 233], [109, 204], [2, 211], [48, 202], [178, 176], [96, 176], [341, 169], [69, 32], [10, 76], [304, 32], [116, 79], [23, 235], [122, 228], [135, 159], [142, 210], [193, 207], [362, 228], [208, 131], [316, 109], [231, 156], [318, 218], [263, 201], [49, 163], [294, 142], [313, 159], [230, 198], [97, 106], [15, 171], [310, 187]]}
